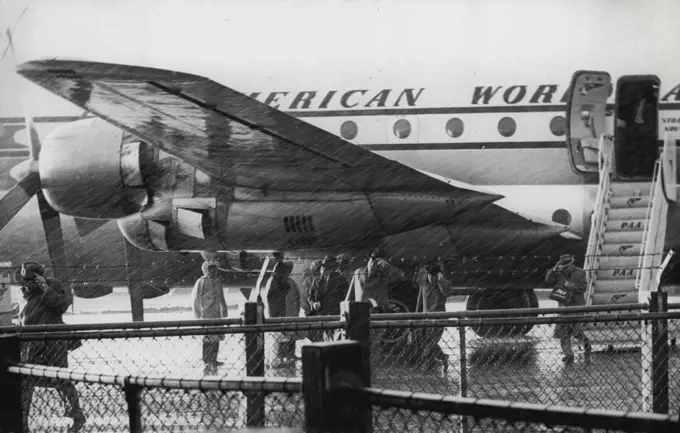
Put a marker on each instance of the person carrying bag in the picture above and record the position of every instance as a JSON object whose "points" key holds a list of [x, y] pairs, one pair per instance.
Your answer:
{"points": [[569, 287]]}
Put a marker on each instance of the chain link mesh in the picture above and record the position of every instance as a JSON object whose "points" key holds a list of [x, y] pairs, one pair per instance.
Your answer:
{"points": [[528, 368], [404, 420]]}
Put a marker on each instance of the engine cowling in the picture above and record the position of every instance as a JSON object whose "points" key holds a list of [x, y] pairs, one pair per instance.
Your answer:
{"points": [[91, 169]]}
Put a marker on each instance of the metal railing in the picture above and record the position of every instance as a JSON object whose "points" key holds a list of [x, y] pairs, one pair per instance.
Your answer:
{"points": [[599, 216], [664, 181], [523, 368]]}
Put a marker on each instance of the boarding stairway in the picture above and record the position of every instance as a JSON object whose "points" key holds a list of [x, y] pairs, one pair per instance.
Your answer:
{"points": [[624, 259]]}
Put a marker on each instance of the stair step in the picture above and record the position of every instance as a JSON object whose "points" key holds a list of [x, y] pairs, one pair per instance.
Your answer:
{"points": [[628, 213], [614, 286], [631, 189], [629, 202], [628, 236], [625, 225], [618, 262], [615, 298], [623, 249], [617, 274]]}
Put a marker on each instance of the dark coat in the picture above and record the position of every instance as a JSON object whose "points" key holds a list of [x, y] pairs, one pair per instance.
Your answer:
{"points": [[278, 288], [574, 280], [571, 278], [45, 305], [329, 292]]}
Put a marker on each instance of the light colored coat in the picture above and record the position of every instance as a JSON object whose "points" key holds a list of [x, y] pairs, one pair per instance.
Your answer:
{"points": [[207, 297]]}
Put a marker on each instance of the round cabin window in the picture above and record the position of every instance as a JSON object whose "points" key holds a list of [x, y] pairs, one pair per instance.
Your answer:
{"points": [[455, 127], [349, 130], [402, 128], [507, 126]]}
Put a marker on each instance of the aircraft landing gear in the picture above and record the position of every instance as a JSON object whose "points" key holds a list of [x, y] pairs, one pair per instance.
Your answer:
{"points": [[503, 299]]}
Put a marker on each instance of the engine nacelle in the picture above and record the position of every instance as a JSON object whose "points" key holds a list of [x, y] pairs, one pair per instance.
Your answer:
{"points": [[89, 169]]}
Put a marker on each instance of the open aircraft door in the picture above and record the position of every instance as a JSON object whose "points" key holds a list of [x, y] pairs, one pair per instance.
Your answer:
{"points": [[586, 118]]}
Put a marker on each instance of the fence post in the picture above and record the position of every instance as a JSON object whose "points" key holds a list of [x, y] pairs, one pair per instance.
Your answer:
{"points": [[132, 397], [357, 316], [654, 353], [660, 353], [11, 419], [326, 367], [462, 367], [253, 314]]}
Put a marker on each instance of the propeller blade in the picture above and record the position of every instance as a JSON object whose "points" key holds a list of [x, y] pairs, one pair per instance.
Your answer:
{"points": [[33, 139], [53, 236], [17, 197]]}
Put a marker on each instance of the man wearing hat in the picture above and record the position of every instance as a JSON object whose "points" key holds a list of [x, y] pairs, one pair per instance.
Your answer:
{"points": [[281, 298], [46, 302], [308, 276], [328, 290], [573, 279], [434, 291], [373, 281]]}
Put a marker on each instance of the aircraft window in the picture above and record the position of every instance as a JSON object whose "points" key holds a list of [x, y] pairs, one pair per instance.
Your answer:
{"points": [[507, 126], [455, 127], [349, 130], [557, 126], [562, 216], [402, 128]]}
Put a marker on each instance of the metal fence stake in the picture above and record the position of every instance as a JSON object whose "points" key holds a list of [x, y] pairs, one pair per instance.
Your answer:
{"points": [[326, 369], [462, 367], [132, 398], [255, 402], [357, 316], [660, 353], [11, 419]]}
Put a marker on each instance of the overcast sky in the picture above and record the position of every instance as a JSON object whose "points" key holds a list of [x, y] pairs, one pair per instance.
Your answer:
{"points": [[252, 41]]}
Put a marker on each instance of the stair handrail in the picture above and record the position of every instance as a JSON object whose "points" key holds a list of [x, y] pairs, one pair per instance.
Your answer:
{"points": [[654, 235], [669, 171], [599, 215]]}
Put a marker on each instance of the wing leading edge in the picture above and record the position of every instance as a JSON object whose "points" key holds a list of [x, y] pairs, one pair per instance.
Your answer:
{"points": [[228, 135]]}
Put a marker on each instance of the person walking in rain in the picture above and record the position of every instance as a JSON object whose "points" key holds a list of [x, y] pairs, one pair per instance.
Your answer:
{"points": [[328, 290], [46, 302], [374, 280], [281, 299], [306, 286], [434, 290], [208, 303], [567, 276]]}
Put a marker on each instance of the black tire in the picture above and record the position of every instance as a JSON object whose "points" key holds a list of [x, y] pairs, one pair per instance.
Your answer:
{"points": [[502, 300]]}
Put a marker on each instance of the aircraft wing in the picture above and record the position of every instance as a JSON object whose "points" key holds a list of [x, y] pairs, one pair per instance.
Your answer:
{"points": [[246, 143], [228, 135]]}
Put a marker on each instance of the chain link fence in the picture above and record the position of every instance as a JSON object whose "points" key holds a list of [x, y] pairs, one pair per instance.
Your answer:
{"points": [[446, 356], [527, 368], [164, 404]]}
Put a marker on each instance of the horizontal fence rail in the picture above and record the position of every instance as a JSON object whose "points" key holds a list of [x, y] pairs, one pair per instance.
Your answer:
{"points": [[242, 384], [515, 412]]}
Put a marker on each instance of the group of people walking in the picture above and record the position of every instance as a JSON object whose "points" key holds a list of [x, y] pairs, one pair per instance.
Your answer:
{"points": [[325, 284]]}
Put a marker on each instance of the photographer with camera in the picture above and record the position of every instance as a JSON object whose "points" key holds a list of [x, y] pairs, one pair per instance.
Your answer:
{"points": [[569, 287], [46, 302]]}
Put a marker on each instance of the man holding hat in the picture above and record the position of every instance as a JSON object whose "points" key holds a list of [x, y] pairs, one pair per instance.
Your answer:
{"points": [[434, 291], [374, 280], [573, 279], [328, 290], [46, 302]]}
